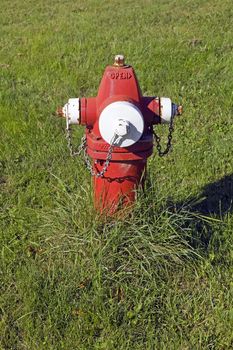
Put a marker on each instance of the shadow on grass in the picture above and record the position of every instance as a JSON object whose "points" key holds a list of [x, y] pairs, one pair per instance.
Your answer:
{"points": [[215, 200], [208, 210]]}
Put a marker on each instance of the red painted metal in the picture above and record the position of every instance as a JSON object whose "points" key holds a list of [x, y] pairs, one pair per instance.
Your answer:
{"points": [[117, 189], [127, 167]]}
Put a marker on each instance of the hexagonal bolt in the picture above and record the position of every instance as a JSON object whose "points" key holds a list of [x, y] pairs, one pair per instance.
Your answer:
{"points": [[119, 61]]}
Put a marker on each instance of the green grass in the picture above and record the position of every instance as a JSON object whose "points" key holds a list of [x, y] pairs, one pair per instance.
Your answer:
{"points": [[161, 278]]}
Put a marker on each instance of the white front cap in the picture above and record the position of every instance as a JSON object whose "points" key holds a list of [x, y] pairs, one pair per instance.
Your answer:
{"points": [[71, 111], [121, 123], [165, 109]]}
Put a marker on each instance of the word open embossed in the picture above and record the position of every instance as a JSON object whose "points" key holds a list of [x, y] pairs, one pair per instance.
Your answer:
{"points": [[120, 75]]}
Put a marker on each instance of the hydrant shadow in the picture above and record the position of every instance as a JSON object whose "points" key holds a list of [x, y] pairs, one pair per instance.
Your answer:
{"points": [[216, 199], [212, 205]]}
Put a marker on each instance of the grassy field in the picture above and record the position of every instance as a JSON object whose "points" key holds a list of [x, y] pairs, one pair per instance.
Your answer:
{"points": [[162, 278]]}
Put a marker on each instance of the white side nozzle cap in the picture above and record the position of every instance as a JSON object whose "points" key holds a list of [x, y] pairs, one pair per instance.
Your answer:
{"points": [[165, 109], [71, 111]]}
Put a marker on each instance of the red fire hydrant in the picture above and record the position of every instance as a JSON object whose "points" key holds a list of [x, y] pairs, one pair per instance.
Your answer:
{"points": [[119, 134]]}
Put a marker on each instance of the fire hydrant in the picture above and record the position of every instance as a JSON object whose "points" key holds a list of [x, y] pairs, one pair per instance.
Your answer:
{"points": [[119, 134]]}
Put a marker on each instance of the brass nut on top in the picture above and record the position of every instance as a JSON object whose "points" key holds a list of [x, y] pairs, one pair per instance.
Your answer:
{"points": [[119, 61]]}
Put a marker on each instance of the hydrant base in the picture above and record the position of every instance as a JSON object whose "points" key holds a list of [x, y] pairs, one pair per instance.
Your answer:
{"points": [[112, 192]]}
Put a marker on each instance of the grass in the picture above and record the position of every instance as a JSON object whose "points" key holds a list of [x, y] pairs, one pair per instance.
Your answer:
{"points": [[161, 278]]}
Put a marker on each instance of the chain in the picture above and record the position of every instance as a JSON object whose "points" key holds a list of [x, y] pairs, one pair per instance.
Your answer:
{"points": [[169, 141], [83, 148], [106, 163], [70, 145]]}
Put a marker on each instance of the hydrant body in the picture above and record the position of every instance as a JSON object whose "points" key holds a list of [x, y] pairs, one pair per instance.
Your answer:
{"points": [[119, 133]]}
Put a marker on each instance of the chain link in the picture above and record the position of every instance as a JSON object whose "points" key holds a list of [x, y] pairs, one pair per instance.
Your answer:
{"points": [[106, 163], [83, 148], [169, 142], [74, 153]]}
